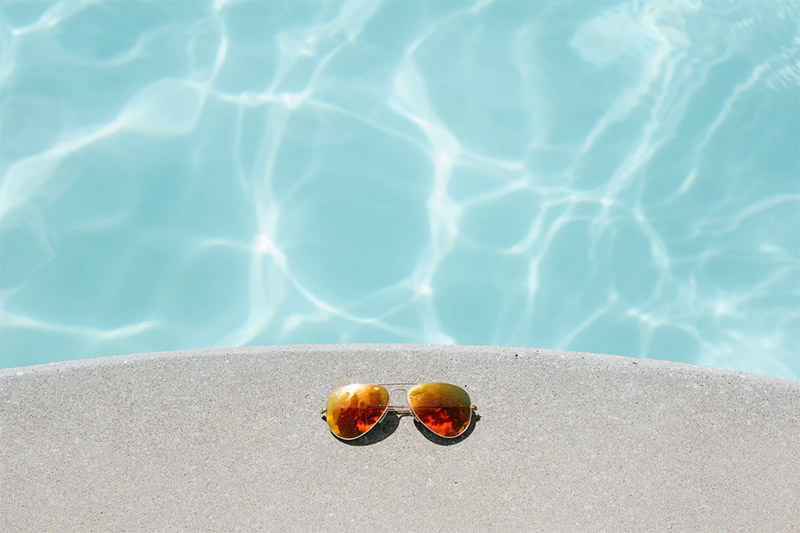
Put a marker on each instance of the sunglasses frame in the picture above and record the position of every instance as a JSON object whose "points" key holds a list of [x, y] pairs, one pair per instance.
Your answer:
{"points": [[401, 410]]}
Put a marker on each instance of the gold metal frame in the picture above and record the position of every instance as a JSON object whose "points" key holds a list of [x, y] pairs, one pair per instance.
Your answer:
{"points": [[401, 410]]}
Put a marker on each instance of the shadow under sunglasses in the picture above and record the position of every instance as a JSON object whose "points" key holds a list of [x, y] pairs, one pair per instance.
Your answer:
{"points": [[389, 425]]}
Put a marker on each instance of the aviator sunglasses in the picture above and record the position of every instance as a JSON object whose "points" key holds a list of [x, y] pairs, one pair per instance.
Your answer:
{"points": [[353, 410]]}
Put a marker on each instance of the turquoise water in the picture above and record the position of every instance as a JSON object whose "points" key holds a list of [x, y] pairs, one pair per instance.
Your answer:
{"points": [[618, 177]]}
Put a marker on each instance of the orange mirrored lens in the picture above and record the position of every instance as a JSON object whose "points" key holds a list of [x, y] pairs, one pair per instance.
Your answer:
{"points": [[355, 409], [444, 409]]}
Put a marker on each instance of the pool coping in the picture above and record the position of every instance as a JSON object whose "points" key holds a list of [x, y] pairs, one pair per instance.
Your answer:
{"points": [[230, 438]]}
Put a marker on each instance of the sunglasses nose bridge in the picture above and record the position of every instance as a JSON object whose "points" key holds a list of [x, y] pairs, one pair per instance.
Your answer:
{"points": [[402, 401], [399, 408]]}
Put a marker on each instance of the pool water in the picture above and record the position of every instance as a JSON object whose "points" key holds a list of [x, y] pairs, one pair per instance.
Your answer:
{"points": [[617, 177]]}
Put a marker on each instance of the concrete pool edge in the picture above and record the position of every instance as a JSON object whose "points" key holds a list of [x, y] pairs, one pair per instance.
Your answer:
{"points": [[579, 404], [603, 358]]}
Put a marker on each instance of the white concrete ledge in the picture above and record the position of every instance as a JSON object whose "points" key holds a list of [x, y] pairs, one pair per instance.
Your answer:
{"points": [[232, 440]]}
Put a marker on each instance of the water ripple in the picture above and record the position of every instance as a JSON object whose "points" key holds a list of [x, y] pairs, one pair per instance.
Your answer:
{"points": [[618, 177]]}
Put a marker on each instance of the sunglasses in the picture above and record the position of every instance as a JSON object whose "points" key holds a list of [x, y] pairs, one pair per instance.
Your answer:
{"points": [[353, 410]]}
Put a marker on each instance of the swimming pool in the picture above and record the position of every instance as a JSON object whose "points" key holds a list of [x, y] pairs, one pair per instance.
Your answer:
{"points": [[618, 177]]}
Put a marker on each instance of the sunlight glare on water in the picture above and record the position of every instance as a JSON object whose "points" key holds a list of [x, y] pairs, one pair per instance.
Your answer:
{"points": [[617, 177]]}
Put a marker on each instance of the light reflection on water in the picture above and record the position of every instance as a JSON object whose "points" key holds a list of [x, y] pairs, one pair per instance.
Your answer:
{"points": [[610, 177]]}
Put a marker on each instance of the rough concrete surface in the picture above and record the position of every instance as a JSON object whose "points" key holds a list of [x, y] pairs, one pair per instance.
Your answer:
{"points": [[232, 439]]}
